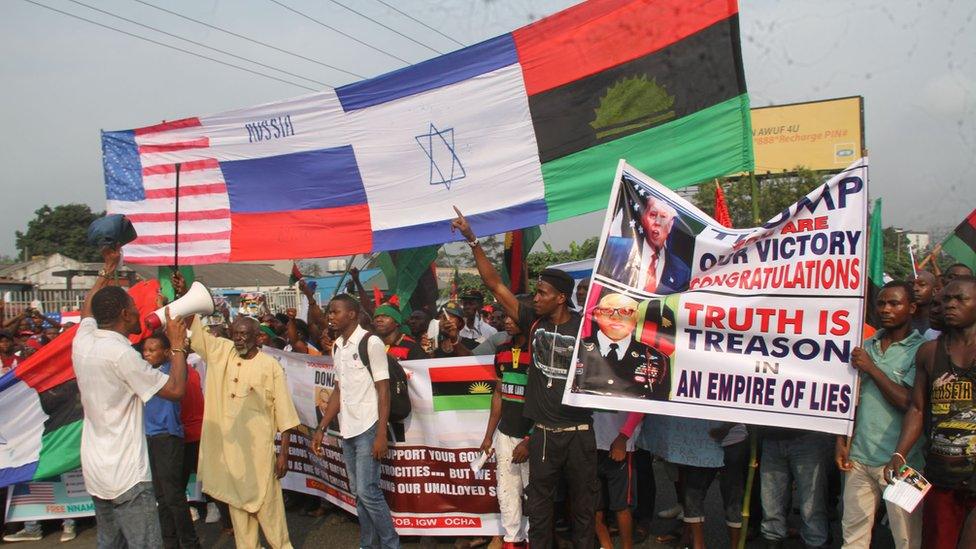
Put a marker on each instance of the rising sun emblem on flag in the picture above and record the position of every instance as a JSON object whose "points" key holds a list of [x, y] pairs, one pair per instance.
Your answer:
{"points": [[445, 166], [480, 388]]}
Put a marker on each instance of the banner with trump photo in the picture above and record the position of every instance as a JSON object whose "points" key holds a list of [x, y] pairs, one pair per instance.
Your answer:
{"points": [[686, 317]]}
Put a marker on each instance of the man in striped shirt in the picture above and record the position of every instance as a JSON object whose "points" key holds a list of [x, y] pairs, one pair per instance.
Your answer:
{"points": [[511, 441]]}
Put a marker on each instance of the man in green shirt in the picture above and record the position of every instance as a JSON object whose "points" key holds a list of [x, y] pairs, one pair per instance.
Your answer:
{"points": [[887, 368]]}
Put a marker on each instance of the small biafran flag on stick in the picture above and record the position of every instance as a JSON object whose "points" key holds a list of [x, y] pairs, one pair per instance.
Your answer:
{"points": [[518, 244], [296, 274]]}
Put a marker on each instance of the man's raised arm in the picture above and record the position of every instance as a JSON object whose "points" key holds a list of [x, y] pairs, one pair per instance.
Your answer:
{"points": [[112, 257], [487, 271]]}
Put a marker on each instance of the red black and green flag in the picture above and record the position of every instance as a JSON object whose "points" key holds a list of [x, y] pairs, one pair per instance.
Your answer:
{"points": [[41, 420], [462, 387], [518, 244], [961, 244], [659, 83], [296, 274]]}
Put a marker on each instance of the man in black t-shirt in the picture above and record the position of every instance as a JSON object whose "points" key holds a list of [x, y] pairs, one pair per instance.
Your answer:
{"points": [[561, 444]]}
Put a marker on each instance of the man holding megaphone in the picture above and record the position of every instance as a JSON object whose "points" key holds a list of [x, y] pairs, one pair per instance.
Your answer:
{"points": [[247, 403], [115, 382]]}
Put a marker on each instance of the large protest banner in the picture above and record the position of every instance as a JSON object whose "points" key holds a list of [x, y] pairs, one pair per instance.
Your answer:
{"points": [[427, 477], [686, 317]]}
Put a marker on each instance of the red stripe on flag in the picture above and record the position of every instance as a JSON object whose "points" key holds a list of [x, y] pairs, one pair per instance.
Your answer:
{"points": [[184, 237], [167, 126], [599, 35], [201, 215], [323, 232], [971, 218], [201, 143], [189, 190], [515, 263], [202, 259], [51, 365], [162, 169], [481, 372]]}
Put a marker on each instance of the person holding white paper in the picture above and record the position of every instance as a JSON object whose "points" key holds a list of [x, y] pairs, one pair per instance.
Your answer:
{"points": [[886, 365]]}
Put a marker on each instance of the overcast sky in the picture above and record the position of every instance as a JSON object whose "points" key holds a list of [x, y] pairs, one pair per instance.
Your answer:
{"points": [[63, 79]]}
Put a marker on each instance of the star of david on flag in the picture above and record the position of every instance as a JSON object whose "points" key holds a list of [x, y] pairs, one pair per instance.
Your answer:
{"points": [[439, 147]]}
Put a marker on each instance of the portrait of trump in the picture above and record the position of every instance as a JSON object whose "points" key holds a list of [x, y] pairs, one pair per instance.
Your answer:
{"points": [[649, 253]]}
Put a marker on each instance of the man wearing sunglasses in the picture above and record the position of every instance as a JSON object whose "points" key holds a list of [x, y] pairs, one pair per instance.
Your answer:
{"points": [[613, 362]]}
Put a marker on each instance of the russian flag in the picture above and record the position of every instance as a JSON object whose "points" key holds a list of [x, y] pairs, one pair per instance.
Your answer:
{"points": [[519, 130]]}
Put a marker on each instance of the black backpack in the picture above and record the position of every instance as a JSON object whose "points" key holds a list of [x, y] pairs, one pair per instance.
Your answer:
{"points": [[399, 396]]}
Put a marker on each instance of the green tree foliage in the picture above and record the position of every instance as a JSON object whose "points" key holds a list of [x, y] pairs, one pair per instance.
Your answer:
{"points": [[538, 261], [897, 260], [774, 194], [61, 229]]}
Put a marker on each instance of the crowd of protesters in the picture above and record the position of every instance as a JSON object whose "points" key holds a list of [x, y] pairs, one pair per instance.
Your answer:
{"points": [[577, 474]]}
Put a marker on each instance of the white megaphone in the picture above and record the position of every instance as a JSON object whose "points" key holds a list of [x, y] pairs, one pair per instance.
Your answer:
{"points": [[196, 301]]}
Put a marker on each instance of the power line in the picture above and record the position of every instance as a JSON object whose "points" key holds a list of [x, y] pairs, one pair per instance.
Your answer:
{"points": [[349, 36], [241, 36], [195, 43], [414, 19], [391, 29], [127, 33]]}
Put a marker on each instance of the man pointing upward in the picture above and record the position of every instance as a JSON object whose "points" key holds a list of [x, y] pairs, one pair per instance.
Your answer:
{"points": [[562, 444]]}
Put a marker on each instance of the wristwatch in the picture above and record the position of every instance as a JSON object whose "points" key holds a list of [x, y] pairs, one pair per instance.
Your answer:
{"points": [[473, 243]]}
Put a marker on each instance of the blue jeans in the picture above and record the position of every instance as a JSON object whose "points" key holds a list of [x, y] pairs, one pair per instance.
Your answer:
{"points": [[364, 482], [803, 459], [129, 520]]}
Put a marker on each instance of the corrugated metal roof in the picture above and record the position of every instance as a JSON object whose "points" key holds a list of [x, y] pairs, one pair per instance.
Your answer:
{"points": [[227, 275]]}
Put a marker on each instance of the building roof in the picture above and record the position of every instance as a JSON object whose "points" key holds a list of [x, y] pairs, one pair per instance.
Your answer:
{"points": [[226, 275]]}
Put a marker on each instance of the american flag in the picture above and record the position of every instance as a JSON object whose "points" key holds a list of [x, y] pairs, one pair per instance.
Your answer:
{"points": [[41, 493], [140, 182]]}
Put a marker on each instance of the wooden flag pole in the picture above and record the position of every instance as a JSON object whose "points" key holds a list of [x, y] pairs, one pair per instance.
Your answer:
{"points": [[176, 223], [931, 256]]}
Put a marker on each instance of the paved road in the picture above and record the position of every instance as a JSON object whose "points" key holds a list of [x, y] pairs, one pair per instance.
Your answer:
{"points": [[339, 530]]}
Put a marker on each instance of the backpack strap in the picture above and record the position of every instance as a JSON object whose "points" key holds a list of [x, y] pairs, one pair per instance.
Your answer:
{"points": [[364, 351]]}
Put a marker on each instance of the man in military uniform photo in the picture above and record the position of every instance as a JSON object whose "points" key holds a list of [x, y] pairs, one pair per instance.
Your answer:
{"points": [[612, 362]]}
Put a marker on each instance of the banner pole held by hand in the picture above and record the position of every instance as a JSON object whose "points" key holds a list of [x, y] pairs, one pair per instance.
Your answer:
{"points": [[176, 223]]}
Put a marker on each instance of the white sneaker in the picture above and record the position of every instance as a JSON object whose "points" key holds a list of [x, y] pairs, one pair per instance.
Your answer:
{"points": [[68, 532], [194, 514], [675, 512], [24, 535], [213, 514]]}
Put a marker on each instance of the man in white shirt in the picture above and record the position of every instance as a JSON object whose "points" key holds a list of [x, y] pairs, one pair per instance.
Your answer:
{"points": [[115, 382], [361, 400], [475, 330]]}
